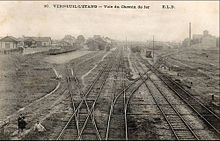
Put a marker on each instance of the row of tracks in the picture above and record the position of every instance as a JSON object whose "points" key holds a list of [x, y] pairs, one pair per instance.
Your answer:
{"points": [[180, 128], [83, 119], [117, 124], [87, 129], [80, 123], [206, 114], [119, 84]]}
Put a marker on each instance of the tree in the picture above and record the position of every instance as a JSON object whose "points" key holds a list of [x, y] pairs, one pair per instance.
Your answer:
{"points": [[101, 43], [80, 39], [98, 43], [70, 39], [91, 44]]}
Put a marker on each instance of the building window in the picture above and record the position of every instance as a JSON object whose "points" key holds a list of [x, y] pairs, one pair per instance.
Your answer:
{"points": [[7, 45]]}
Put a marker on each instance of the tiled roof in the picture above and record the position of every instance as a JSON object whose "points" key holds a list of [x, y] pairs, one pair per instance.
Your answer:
{"points": [[41, 39]]}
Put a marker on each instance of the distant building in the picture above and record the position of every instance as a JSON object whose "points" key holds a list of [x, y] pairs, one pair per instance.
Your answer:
{"points": [[37, 41], [208, 40], [197, 36], [204, 40], [8, 42]]}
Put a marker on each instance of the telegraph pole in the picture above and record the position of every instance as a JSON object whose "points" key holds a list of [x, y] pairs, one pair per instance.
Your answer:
{"points": [[190, 34], [126, 40], [153, 49]]}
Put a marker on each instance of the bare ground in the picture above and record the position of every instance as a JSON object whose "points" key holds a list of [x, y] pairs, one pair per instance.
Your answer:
{"points": [[199, 66], [28, 88]]}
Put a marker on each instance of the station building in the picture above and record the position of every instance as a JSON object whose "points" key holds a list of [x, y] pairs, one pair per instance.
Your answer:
{"points": [[8, 42]]}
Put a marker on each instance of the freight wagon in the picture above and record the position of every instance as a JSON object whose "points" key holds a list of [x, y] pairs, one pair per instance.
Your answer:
{"points": [[148, 54], [61, 50]]}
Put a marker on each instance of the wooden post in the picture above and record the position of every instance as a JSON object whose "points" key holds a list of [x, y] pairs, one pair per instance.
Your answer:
{"points": [[153, 50], [213, 97], [190, 34]]}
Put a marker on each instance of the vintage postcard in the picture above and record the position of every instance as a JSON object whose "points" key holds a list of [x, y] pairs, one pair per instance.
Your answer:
{"points": [[109, 70]]}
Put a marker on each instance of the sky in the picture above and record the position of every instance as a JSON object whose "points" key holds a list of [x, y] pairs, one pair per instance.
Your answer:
{"points": [[32, 19]]}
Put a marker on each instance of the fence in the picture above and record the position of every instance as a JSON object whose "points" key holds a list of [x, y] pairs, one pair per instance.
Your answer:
{"points": [[12, 51]]}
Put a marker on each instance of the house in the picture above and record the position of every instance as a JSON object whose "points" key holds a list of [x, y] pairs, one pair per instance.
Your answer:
{"points": [[43, 41], [8, 42], [37, 41]]}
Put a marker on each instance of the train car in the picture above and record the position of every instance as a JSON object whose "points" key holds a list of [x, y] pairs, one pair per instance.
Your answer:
{"points": [[148, 54]]}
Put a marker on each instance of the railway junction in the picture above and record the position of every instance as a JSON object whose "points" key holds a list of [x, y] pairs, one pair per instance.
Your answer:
{"points": [[116, 95]]}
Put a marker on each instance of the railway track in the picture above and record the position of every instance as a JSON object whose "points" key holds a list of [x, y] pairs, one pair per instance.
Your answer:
{"points": [[198, 107], [206, 114], [117, 86], [179, 126], [87, 104], [127, 98], [87, 108], [119, 107], [125, 105], [83, 121], [74, 122], [86, 121], [78, 61]]}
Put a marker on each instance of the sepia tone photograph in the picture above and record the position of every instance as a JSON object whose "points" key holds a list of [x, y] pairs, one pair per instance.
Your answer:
{"points": [[109, 70]]}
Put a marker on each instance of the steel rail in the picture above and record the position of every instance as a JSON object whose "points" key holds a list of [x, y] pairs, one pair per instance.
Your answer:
{"points": [[125, 109], [108, 121], [88, 109], [164, 115], [126, 103], [73, 105], [92, 110], [213, 126], [120, 94], [116, 98], [121, 63], [94, 103], [179, 115], [200, 115], [80, 104]]}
